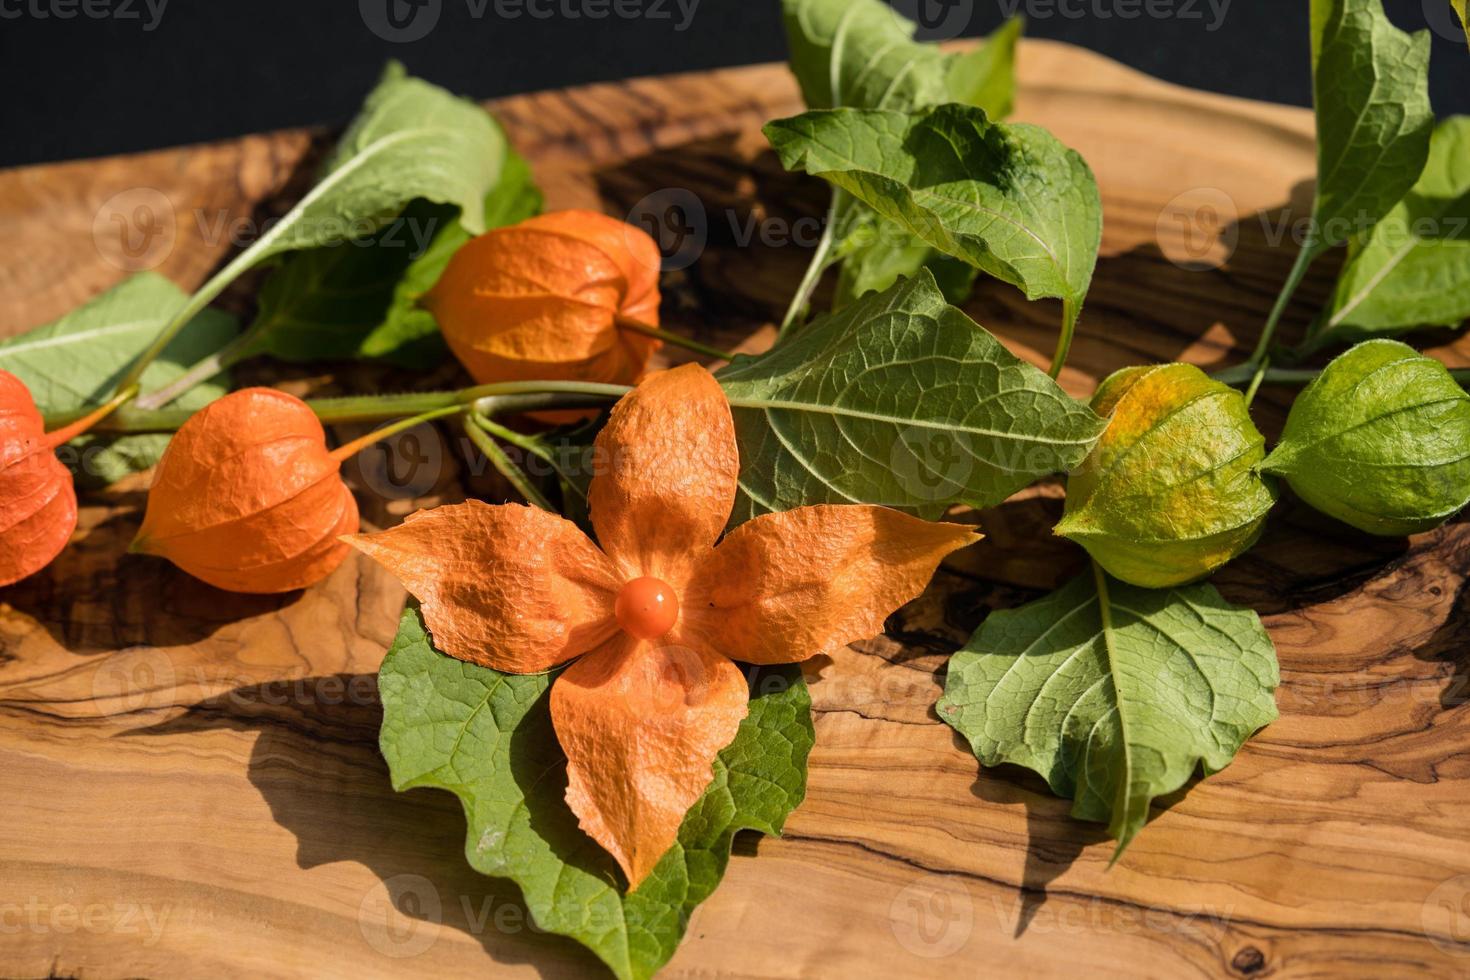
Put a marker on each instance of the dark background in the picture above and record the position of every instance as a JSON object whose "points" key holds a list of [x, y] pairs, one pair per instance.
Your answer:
{"points": [[87, 85]]}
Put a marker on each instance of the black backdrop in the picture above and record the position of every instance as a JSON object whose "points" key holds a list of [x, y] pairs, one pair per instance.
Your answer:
{"points": [[91, 77]]}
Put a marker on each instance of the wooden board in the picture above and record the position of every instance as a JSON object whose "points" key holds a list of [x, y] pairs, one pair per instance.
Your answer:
{"points": [[190, 780]]}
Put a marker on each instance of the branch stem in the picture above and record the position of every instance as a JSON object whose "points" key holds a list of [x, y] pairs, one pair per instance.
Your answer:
{"points": [[1304, 259], [677, 339], [505, 396], [503, 464], [814, 270]]}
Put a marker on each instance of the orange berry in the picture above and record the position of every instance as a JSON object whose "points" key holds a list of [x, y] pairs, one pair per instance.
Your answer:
{"points": [[646, 608]]}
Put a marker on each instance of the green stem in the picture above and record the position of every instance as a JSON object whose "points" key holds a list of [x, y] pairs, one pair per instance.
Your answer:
{"points": [[1250, 392], [350, 449], [674, 338], [505, 396], [192, 308], [1297, 377], [1064, 342], [1304, 259], [502, 462], [227, 356], [814, 270], [528, 444], [69, 430]]}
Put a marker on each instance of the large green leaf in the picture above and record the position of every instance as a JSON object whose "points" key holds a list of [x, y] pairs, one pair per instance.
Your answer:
{"points": [[902, 400], [861, 53], [76, 362], [1113, 693], [487, 737], [986, 77], [410, 140], [1413, 268], [1008, 199], [360, 299], [1371, 83]]}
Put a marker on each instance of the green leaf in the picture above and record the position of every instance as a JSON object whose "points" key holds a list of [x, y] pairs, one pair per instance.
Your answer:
{"points": [[359, 299], [1371, 83], [1171, 491], [1113, 693], [900, 400], [1008, 199], [410, 140], [873, 252], [986, 76], [1379, 440], [76, 362], [487, 737], [862, 53], [1413, 268], [1460, 8]]}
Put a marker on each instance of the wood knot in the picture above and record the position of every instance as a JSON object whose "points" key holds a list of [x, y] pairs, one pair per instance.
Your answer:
{"points": [[1247, 961]]}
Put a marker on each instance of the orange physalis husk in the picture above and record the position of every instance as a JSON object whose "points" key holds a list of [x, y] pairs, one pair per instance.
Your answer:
{"points": [[38, 503], [643, 713], [543, 299], [248, 498]]}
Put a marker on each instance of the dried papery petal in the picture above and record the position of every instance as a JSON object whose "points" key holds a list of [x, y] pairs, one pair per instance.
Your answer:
{"points": [[508, 587], [1171, 491], [541, 300], [248, 498], [641, 725], [38, 503], [784, 587], [668, 467]]}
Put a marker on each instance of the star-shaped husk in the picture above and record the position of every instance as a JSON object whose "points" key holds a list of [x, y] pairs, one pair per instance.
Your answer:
{"points": [[521, 590]]}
